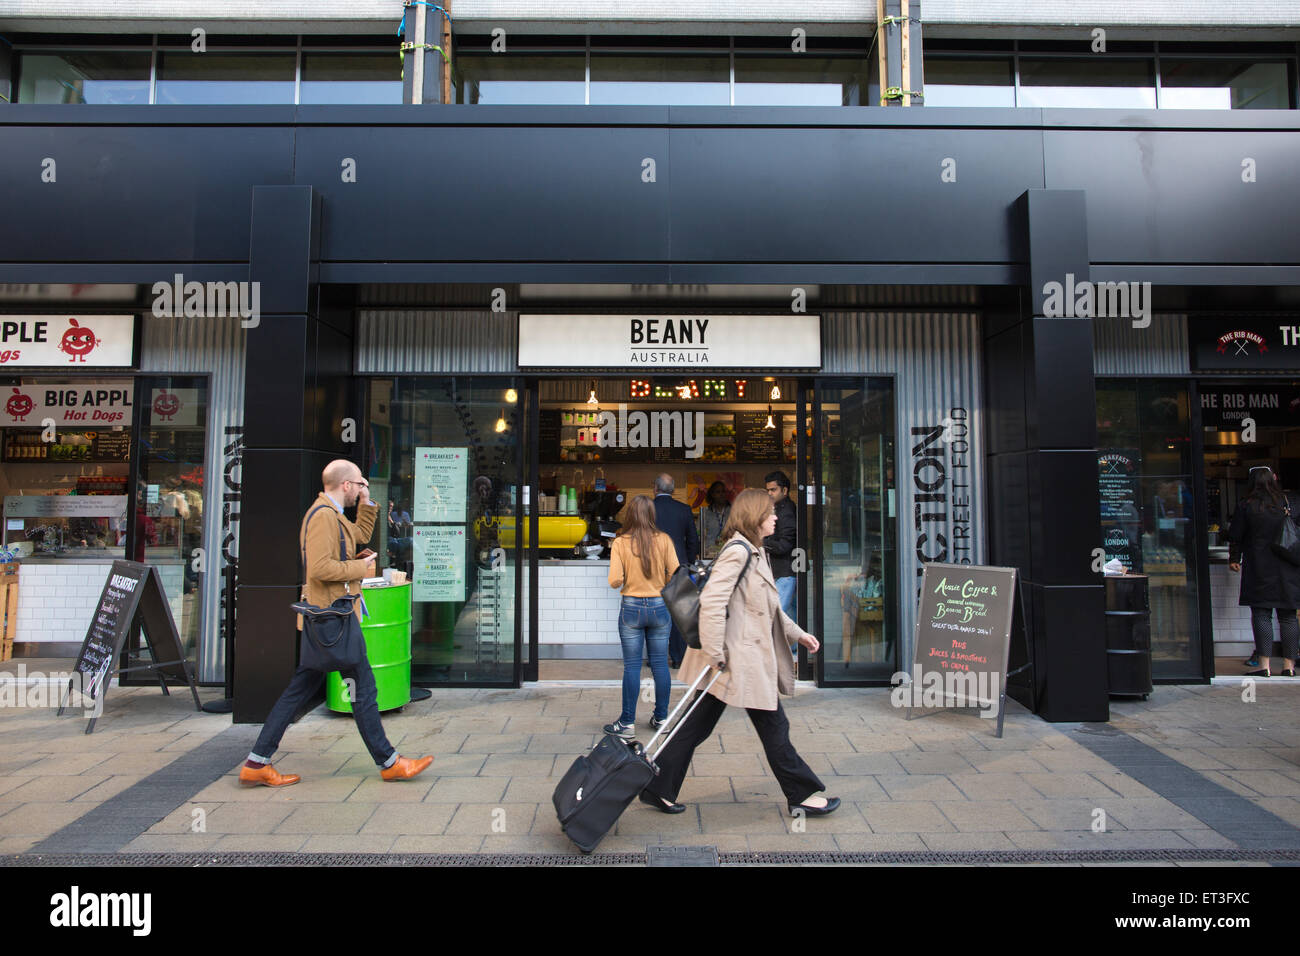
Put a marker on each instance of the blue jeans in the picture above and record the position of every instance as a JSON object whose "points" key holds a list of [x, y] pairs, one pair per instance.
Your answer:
{"points": [[644, 621], [786, 589]]}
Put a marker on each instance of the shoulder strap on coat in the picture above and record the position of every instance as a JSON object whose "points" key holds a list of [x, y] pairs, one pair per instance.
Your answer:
{"points": [[343, 550]]}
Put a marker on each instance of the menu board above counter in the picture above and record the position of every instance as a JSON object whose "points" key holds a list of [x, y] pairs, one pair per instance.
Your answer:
{"points": [[754, 440]]}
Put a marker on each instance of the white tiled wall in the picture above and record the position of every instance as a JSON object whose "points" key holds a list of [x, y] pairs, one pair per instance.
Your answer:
{"points": [[1232, 634], [57, 601], [577, 608]]}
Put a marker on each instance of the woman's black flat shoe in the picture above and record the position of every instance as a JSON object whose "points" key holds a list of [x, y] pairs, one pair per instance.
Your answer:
{"points": [[1258, 674], [832, 804], [653, 801]]}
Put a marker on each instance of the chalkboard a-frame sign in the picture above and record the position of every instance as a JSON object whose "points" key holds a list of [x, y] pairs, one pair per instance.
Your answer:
{"points": [[963, 638], [132, 595]]}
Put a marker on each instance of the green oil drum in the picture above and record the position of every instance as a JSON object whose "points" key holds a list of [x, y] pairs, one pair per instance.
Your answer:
{"points": [[387, 630]]}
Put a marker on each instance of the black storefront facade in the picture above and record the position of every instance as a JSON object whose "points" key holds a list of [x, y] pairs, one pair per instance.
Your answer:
{"points": [[337, 211]]}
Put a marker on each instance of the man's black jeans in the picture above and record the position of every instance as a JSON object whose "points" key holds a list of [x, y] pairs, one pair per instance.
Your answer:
{"points": [[305, 683]]}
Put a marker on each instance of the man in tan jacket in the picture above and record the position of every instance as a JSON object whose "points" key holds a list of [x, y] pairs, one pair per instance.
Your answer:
{"points": [[329, 575]]}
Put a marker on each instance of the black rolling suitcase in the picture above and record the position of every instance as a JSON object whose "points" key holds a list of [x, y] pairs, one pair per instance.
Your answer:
{"points": [[597, 788]]}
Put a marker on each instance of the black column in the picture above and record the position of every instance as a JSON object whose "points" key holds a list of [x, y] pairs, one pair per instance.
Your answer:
{"points": [[1042, 464], [298, 389]]}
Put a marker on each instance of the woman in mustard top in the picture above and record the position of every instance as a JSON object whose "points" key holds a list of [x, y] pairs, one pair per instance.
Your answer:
{"points": [[641, 560]]}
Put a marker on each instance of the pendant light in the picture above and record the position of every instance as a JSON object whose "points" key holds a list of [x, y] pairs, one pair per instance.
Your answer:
{"points": [[512, 396], [776, 393], [591, 398], [770, 423], [501, 422]]}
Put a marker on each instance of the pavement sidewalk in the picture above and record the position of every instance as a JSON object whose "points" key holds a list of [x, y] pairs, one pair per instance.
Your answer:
{"points": [[1194, 774]]}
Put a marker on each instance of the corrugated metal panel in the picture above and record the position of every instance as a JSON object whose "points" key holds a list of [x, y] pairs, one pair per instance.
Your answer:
{"points": [[215, 347], [436, 341], [1159, 349], [935, 360]]}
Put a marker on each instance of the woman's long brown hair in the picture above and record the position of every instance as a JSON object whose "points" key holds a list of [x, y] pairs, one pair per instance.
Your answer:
{"points": [[639, 527], [748, 512]]}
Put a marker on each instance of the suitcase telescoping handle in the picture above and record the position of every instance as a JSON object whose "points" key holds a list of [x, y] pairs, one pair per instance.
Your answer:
{"points": [[717, 672]]}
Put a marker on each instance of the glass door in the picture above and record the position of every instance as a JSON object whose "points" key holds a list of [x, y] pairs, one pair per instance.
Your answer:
{"points": [[445, 466], [166, 517], [857, 576]]}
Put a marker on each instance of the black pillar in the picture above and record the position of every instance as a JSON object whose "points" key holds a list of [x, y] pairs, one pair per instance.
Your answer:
{"points": [[298, 389], [1044, 513]]}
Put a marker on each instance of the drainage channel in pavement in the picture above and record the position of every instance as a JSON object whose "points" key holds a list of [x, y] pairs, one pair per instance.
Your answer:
{"points": [[705, 856]]}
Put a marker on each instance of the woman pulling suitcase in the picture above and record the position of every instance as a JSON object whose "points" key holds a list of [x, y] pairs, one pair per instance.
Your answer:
{"points": [[743, 631]]}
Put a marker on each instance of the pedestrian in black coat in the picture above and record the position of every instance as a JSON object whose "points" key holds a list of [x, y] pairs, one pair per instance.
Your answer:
{"points": [[1268, 582], [678, 522]]}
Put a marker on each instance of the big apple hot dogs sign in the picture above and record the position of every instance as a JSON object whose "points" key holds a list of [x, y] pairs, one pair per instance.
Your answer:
{"points": [[670, 341], [66, 341]]}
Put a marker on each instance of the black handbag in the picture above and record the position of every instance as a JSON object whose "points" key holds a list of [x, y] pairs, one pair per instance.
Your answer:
{"points": [[1286, 543], [682, 596], [331, 636]]}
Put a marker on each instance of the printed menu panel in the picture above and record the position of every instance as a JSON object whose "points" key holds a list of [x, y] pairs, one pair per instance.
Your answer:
{"points": [[441, 480], [438, 555]]}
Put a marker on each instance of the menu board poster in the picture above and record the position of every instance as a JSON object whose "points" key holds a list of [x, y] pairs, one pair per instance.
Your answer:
{"points": [[441, 482], [438, 555], [1121, 521], [964, 627], [548, 434], [754, 440]]}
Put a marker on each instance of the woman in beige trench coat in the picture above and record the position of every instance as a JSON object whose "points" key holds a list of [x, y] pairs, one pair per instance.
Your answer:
{"points": [[744, 632]]}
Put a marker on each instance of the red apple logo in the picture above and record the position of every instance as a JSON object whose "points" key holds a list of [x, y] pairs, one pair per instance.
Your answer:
{"points": [[19, 406], [166, 405], [78, 341]]}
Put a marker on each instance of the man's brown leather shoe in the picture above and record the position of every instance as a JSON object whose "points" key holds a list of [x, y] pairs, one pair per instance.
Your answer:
{"points": [[268, 776], [405, 768]]}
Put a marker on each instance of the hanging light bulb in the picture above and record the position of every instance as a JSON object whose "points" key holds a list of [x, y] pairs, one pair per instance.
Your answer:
{"points": [[591, 398], [776, 393], [770, 423], [512, 396], [501, 421]]}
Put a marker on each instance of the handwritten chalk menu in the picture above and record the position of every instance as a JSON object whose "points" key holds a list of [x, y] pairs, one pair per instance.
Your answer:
{"points": [[754, 440], [1121, 522], [438, 556], [441, 480], [132, 596], [963, 629]]}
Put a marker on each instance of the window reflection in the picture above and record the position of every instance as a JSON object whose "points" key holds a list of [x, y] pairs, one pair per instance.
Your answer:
{"points": [[96, 78], [1223, 85], [1115, 84], [956, 82], [351, 78], [660, 81], [816, 81], [224, 79]]}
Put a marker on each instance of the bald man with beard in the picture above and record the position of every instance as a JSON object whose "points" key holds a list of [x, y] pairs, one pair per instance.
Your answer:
{"points": [[327, 579]]}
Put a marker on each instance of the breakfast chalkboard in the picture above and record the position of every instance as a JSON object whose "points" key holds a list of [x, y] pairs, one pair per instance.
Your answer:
{"points": [[963, 636], [132, 596], [754, 440]]}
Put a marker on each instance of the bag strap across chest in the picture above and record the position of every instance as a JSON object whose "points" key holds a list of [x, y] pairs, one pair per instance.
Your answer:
{"points": [[343, 549]]}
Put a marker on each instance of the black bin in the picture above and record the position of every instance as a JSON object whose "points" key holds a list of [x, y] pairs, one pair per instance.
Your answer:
{"points": [[1128, 635]]}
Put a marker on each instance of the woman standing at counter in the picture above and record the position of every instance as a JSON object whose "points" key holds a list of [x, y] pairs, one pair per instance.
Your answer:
{"points": [[641, 560]]}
